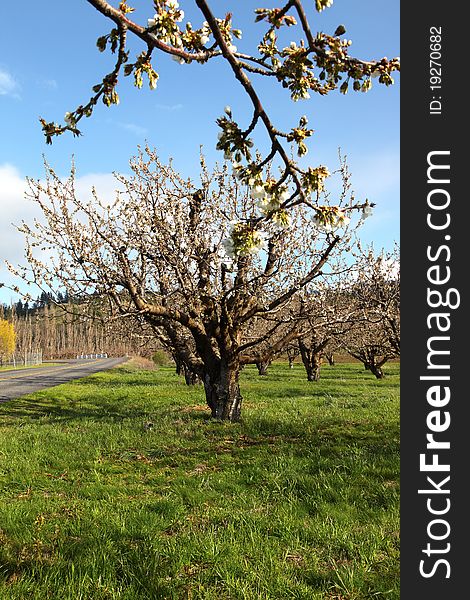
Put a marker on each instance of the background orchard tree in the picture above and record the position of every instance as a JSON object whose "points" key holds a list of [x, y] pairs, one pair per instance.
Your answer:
{"points": [[292, 351], [196, 257], [375, 339], [371, 346], [267, 330], [327, 315]]}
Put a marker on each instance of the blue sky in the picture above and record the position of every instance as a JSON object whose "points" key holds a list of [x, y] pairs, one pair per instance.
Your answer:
{"points": [[49, 62]]}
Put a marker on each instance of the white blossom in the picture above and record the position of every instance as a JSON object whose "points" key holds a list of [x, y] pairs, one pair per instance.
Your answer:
{"points": [[258, 191], [228, 246], [268, 204], [321, 225], [281, 224], [260, 239]]}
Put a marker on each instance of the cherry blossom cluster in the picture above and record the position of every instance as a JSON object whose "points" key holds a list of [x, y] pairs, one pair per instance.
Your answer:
{"points": [[244, 239], [232, 139], [329, 218], [164, 22]]}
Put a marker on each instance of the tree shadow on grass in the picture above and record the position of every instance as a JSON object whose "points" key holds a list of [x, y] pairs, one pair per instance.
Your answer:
{"points": [[89, 399], [64, 411], [44, 574]]}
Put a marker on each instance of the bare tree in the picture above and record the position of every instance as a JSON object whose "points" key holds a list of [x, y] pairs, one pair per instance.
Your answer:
{"points": [[376, 295], [326, 315], [292, 352]]}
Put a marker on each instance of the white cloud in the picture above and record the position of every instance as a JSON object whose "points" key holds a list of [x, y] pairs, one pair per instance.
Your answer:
{"points": [[169, 107], [8, 85], [15, 208], [13, 204], [105, 185], [135, 129], [50, 84]]}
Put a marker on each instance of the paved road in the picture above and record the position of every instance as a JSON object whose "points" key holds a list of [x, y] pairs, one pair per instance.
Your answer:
{"points": [[14, 384]]}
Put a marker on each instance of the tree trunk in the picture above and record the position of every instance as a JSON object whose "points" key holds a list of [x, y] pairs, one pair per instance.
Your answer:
{"points": [[263, 367], [223, 391], [313, 369], [179, 365], [291, 362], [331, 359], [311, 360], [375, 368], [377, 371], [190, 377]]}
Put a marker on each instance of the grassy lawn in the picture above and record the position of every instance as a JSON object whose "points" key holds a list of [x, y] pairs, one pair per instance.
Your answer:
{"points": [[119, 486]]}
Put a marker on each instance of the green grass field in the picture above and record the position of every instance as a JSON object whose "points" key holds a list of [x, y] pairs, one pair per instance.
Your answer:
{"points": [[299, 501]]}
